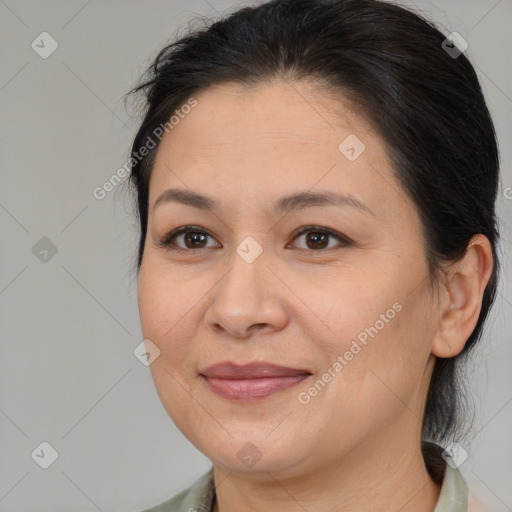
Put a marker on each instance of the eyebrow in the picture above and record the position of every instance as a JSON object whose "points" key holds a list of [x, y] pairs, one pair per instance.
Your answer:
{"points": [[284, 204]]}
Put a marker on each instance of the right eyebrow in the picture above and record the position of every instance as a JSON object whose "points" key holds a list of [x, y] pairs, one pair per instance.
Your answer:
{"points": [[174, 195]]}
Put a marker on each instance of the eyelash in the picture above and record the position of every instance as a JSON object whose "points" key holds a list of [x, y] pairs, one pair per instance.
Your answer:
{"points": [[166, 241]]}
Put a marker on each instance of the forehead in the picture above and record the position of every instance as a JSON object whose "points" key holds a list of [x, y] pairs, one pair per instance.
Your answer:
{"points": [[298, 115], [273, 136]]}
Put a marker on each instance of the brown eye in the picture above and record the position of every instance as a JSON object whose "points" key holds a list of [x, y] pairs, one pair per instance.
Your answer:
{"points": [[194, 239], [187, 238], [317, 239]]}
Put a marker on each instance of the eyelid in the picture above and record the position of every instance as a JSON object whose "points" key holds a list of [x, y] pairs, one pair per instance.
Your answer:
{"points": [[166, 241], [304, 229]]}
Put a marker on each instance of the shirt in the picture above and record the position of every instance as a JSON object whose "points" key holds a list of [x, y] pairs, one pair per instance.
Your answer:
{"points": [[200, 496]]}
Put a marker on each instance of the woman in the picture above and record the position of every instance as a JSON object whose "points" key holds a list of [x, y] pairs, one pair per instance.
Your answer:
{"points": [[316, 182]]}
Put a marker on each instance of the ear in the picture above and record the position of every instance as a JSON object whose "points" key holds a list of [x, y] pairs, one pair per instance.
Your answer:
{"points": [[461, 297]]}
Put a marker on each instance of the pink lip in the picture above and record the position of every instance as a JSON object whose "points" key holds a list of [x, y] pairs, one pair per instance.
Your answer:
{"points": [[251, 381]]}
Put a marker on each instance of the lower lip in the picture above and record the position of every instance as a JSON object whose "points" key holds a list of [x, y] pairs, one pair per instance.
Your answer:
{"points": [[251, 389]]}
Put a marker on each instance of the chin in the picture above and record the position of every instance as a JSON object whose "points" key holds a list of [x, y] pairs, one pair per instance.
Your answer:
{"points": [[260, 456]]}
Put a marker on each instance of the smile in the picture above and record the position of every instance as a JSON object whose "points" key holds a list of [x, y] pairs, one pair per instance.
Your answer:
{"points": [[251, 389]]}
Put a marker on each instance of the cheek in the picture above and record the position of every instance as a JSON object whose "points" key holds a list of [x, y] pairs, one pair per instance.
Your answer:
{"points": [[169, 314], [169, 311], [386, 360], [342, 305], [372, 326], [166, 301]]}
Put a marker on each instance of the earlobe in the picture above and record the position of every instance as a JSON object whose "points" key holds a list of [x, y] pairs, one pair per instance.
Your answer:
{"points": [[463, 290]]}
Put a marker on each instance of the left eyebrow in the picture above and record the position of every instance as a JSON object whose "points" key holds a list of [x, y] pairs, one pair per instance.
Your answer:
{"points": [[284, 204], [308, 199]]}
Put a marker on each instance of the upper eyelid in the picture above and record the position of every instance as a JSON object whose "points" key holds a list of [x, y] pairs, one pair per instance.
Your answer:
{"points": [[305, 229]]}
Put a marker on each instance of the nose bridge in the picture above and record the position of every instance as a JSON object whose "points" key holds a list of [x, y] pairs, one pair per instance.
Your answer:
{"points": [[245, 297], [244, 284]]}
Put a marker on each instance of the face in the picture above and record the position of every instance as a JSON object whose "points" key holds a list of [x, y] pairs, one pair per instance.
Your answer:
{"points": [[333, 287]]}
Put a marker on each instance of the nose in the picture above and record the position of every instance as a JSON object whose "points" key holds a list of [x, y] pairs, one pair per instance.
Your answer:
{"points": [[247, 300]]}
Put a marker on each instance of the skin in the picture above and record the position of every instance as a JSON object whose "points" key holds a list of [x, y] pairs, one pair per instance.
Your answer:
{"points": [[355, 445]]}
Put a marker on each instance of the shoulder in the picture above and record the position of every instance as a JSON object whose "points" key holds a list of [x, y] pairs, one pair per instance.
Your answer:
{"points": [[198, 497], [454, 490], [443, 470]]}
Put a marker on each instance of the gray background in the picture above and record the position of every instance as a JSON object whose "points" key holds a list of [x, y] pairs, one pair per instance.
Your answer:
{"points": [[69, 325]]}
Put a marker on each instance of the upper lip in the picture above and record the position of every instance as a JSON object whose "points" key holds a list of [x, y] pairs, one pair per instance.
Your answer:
{"points": [[258, 369]]}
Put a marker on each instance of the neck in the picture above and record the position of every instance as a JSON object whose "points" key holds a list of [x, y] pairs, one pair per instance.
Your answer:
{"points": [[379, 478]]}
